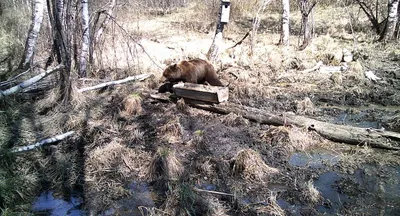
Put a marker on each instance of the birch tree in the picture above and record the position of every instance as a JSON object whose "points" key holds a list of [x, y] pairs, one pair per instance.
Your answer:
{"points": [[33, 32], [256, 23], [389, 32], [306, 8], [85, 39], [285, 22], [213, 52]]}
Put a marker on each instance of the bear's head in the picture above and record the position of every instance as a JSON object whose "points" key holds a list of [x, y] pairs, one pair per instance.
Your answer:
{"points": [[172, 72]]}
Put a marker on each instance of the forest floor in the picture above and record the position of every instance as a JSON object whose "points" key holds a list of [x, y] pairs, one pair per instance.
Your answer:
{"points": [[133, 154]]}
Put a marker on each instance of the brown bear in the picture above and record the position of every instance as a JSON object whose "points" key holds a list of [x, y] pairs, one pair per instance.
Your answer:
{"points": [[193, 71]]}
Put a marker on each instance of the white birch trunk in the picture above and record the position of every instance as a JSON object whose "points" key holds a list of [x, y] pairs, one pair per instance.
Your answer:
{"points": [[85, 38], [116, 82], [214, 50], [285, 22], [29, 82], [43, 142], [392, 19], [34, 29], [106, 20]]}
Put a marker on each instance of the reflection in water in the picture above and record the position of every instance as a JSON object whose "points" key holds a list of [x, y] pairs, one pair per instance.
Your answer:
{"points": [[313, 160], [56, 207]]}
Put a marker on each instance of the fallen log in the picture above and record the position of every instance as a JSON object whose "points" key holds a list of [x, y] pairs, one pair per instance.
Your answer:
{"points": [[338, 133], [43, 142], [116, 82], [29, 82]]}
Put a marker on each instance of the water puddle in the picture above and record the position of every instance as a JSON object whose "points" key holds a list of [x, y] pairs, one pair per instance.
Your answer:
{"points": [[47, 204], [357, 120], [314, 160], [374, 188], [327, 184], [141, 196]]}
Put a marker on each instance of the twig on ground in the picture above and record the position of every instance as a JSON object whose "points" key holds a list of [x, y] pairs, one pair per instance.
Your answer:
{"points": [[213, 192], [116, 82]]}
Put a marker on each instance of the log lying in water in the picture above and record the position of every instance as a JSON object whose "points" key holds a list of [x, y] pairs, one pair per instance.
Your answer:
{"points": [[338, 133]]}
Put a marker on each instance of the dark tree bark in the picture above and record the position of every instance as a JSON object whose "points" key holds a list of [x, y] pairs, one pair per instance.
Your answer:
{"points": [[61, 46]]}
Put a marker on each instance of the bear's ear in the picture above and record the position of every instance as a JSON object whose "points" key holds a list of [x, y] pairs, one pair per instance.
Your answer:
{"points": [[173, 66]]}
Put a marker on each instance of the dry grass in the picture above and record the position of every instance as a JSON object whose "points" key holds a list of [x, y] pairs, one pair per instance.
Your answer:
{"points": [[235, 120], [165, 165], [305, 106], [312, 194], [272, 208], [249, 164], [290, 139], [107, 170], [171, 131], [132, 105]]}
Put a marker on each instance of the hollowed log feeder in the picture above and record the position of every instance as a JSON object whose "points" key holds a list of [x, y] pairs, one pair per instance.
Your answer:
{"points": [[199, 92]]}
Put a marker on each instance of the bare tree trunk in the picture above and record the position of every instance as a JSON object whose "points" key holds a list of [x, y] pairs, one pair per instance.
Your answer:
{"points": [[389, 33], [34, 29], [95, 39], [213, 52], [285, 22], [61, 45], [256, 23], [85, 39], [306, 8]]}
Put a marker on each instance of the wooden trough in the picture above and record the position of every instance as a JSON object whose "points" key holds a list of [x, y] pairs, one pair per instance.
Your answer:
{"points": [[199, 92]]}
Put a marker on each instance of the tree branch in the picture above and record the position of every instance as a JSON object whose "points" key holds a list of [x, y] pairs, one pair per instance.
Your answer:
{"points": [[138, 77], [29, 82], [43, 142]]}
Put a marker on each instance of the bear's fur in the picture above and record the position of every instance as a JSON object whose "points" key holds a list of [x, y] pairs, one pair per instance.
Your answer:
{"points": [[193, 71]]}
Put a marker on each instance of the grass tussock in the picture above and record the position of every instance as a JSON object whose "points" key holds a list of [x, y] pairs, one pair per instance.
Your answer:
{"points": [[107, 170], [305, 106], [272, 207], [235, 120], [290, 139], [312, 194], [132, 105], [165, 166], [172, 131], [249, 164]]}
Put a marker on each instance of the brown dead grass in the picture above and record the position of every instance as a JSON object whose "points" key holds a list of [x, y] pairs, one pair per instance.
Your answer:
{"points": [[289, 139], [235, 120], [272, 208], [165, 165], [132, 105], [171, 131], [311, 193], [107, 170], [305, 106], [249, 164]]}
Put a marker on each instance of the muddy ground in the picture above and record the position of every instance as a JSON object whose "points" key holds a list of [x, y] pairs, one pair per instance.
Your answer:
{"points": [[134, 155]]}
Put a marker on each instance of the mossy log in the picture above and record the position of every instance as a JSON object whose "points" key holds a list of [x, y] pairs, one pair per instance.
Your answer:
{"points": [[338, 133]]}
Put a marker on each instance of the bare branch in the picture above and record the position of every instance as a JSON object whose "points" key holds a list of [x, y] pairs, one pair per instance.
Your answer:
{"points": [[43, 142], [29, 82], [138, 77]]}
